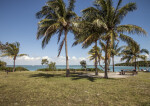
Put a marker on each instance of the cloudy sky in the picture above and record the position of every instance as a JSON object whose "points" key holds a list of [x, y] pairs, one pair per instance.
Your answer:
{"points": [[18, 23]]}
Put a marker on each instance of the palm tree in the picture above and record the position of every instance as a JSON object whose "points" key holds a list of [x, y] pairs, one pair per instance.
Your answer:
{"points": [[99, 56], [87, 31], [115, 52], [12, 50], [111, 17], [133, 52], [57, 20]]}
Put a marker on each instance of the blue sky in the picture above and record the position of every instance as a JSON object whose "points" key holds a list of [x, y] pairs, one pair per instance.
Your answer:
{"points": [[18, 23]]}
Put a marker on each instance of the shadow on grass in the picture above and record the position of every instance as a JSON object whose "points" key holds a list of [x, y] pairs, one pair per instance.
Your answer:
{"points": [[74, 76], [46, 75], [84, 77]]}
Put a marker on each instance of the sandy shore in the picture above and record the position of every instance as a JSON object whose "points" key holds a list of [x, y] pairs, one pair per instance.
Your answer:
{"points": [[110, 75]]}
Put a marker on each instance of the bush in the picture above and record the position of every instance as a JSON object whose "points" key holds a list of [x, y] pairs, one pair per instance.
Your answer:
{"points": [[10, 69], [2, 64], [21, 69]]}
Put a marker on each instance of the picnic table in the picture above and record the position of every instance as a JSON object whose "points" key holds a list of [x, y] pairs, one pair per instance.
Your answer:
{"points": [[124, 71]]}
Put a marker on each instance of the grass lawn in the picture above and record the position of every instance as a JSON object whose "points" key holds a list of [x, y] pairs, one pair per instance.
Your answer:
{"points": [[53, 89]]}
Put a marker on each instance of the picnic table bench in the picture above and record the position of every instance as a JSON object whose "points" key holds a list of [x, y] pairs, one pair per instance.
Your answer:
{"points": [[123, 71]]}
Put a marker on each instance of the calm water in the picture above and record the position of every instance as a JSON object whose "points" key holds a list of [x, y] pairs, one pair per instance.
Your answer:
{"points": [[35, 67]]}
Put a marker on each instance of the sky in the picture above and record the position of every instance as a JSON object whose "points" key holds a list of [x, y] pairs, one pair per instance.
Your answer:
{"points": [[18, 23]]}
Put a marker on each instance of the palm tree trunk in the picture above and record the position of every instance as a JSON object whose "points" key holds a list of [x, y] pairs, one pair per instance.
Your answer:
{"points": [[14, 65], [106, 60], [96, 71], [66, 49], [113, 63], [135, 64], [100, 64]]}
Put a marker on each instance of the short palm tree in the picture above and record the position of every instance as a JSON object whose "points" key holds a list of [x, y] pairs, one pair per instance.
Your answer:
{"points": [[133, 52], [12, 50], [116, 51], [57, 20], [99, 56]]}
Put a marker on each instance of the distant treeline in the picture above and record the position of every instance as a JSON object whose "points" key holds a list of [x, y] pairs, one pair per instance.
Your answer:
{"points": [[139, 63]]}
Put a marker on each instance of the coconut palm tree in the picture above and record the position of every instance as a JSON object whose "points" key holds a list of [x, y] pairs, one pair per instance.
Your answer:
{"points": [[11, 50], [116, 51], [133, 52], [99, 56], [106, 14], [56, 18], [87, 31]]}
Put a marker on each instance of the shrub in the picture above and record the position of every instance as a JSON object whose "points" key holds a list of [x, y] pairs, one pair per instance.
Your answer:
{"points": [[21, 69], [2, 64], [10, 69]]}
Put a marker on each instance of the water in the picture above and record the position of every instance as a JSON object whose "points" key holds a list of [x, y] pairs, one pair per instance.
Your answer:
{"points": [[35, 67]]}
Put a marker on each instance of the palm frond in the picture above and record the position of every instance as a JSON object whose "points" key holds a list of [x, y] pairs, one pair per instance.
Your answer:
{"points": [[131, 29], [20, 55], [71, 5], [144, 51], [61, 46]]}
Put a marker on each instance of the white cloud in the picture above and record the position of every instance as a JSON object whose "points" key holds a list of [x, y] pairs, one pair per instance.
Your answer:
{"points": [[74, 58], [61, 60], [148, 56]]}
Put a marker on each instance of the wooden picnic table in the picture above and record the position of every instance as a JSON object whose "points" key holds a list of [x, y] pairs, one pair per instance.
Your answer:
{"points": [[123, 71]]}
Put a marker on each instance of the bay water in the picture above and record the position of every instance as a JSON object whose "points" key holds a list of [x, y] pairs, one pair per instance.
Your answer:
{"points": [[117, 68]]}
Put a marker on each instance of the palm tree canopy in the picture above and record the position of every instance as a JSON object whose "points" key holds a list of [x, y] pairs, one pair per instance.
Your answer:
{"points": [[11, 50], [133, 52], [56, 19], [94, 51]]}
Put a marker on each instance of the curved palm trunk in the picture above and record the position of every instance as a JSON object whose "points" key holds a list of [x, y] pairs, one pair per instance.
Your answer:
{"points": [[106, 60], [96, 71], [100, 64], [113, 63], [14, 64], [66, 49]]}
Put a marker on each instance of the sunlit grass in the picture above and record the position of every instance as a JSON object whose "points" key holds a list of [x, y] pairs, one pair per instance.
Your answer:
{"points": [[54, 89]]}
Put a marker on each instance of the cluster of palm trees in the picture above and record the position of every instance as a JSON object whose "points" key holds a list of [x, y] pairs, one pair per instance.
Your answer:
{"points": [[100, 23]]}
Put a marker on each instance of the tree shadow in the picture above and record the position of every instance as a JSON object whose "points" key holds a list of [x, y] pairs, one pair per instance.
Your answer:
{"points": [[92, 79], [73, 76], [46, 75]]}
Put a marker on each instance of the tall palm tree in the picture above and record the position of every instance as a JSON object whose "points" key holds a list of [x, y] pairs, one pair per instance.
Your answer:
{"points": [[12, 50], [87, 31], [56, 18], [133, 52], [99, 56], [107, 14], [116, 51]]}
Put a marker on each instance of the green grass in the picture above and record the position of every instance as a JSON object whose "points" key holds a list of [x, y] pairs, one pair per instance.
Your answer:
{"points": [[53, 89]]}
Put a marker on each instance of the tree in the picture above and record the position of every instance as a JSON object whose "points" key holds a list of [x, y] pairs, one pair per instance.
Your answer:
{"points": [[133, 52], [44, 61], [115, 52], [99, 56], [87, 31], [57, 20], [3, 64], [52, 66], [11, 50], [83, 64]]}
